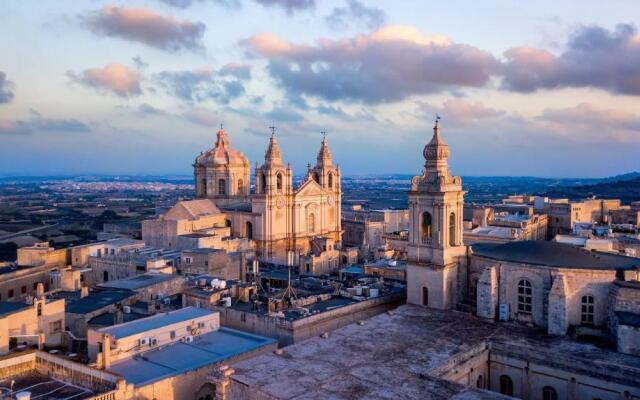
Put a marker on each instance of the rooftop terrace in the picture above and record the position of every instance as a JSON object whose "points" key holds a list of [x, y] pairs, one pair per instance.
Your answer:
{"points": [[401, 355], [155, 322], [211, 348]]}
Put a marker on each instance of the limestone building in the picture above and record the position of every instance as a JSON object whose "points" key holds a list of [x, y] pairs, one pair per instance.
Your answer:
{"points": [[281, 218], [558, 287]]}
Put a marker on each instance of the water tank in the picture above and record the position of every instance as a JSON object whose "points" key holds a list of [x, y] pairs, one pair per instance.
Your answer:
{"points": [[23, 396], [215, 283], [358, 290], [226, 301], [374, 292], [223, 284]]}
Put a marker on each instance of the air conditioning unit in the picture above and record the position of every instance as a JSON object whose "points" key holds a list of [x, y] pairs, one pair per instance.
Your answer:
{"points": [[143, 341], [126, 309], [188, 339]]}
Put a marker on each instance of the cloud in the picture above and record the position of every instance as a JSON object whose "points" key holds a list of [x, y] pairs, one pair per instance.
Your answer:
{"points": [[458, 112], [599, 122], [284, 114], [355, 11], [201, 85], [114, 77], [594, 57], [145, 26], [389, 64], [187, 3], [202, 117], [140, 63], [239, 71], [6, 94], [290, 6], [36, 124]]}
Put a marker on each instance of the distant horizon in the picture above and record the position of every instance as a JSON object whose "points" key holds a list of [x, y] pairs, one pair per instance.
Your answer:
{"points": [[186, 175]]}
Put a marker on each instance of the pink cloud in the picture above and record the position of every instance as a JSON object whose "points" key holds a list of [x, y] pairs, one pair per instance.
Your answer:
{"points": [[114, 77]]}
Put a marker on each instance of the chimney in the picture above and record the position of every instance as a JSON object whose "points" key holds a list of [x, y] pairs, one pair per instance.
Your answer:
{"points": [[84, 292], [40, 291], [106, 351]]}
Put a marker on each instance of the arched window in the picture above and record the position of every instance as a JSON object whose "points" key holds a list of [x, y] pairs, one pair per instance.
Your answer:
{"points": [[330, 180], [227, 223], [452, 229], [105, 276], [549, 393], [39, 309], [240, 186], [263, 183], [311, 223], [222, 187], [506, 385], [587, 310], [316, 177], [480, 382], [279, 182], [249, 230], [425, 296], [203, 183], [427, 226], [525, 296]]}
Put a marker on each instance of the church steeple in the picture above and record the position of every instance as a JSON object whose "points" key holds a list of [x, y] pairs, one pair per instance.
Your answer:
{"points": [[324, 159], [273, 156], [436, 153]]}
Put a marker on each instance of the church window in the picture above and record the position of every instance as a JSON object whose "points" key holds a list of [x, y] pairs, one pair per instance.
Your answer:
{"points": [[425, 296], [279, 182], [587, 310], [331, 180], [203, 183], [480, 382], [263, 183], [316, 177], [549, 393], [311, 223], [240, 186], [222, 187], [427, 227], [452, 229], [506, 385], [525, 296], [39, 309], [249, 228]]}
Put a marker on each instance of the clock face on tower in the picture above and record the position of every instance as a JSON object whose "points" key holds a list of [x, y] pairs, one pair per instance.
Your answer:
{"points": [[280, 202]]}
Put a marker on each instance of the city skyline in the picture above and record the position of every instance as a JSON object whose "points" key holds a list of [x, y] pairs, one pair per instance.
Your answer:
{"points": [[141, 88]]}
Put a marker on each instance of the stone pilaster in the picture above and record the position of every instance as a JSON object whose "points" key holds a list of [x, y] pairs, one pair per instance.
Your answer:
{"points": [[487, 293], [558, 319]]}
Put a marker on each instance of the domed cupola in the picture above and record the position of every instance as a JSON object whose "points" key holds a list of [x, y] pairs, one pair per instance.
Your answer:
{"points": [[222, 172]]}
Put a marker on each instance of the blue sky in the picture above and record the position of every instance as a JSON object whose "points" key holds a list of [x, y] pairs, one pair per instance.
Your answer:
{"points": [[140, 87]]}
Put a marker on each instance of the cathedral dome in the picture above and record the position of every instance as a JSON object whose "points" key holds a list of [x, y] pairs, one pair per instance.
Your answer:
{"points": [[221, 154]]}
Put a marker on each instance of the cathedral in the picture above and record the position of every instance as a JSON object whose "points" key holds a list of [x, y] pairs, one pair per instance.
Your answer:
{"points": [[284, 220]]}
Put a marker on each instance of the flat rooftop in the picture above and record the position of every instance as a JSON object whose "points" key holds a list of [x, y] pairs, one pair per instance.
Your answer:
{"points": [[554, 254], [42, 386], [140, 281], [211, 348], [155, 322], [96, 299], [400, 355], [9, 307]]}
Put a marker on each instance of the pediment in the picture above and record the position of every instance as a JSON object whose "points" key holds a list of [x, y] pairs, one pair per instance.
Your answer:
{"points": [[309, 188]]}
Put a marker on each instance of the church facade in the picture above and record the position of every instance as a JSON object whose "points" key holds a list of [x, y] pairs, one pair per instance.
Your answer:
{"points": [[283, 219]]}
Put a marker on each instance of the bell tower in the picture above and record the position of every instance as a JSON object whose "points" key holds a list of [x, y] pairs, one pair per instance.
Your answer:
{"points": [[435, 249]]}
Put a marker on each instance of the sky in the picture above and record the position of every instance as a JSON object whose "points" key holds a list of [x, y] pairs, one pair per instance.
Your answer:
{"points": [[141, 86]]}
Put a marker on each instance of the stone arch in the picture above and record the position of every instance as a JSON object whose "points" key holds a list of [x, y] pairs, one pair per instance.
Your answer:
{"points": [[537, 292], [330, 179], [206, 392], [279, 182], [506, 385]]}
